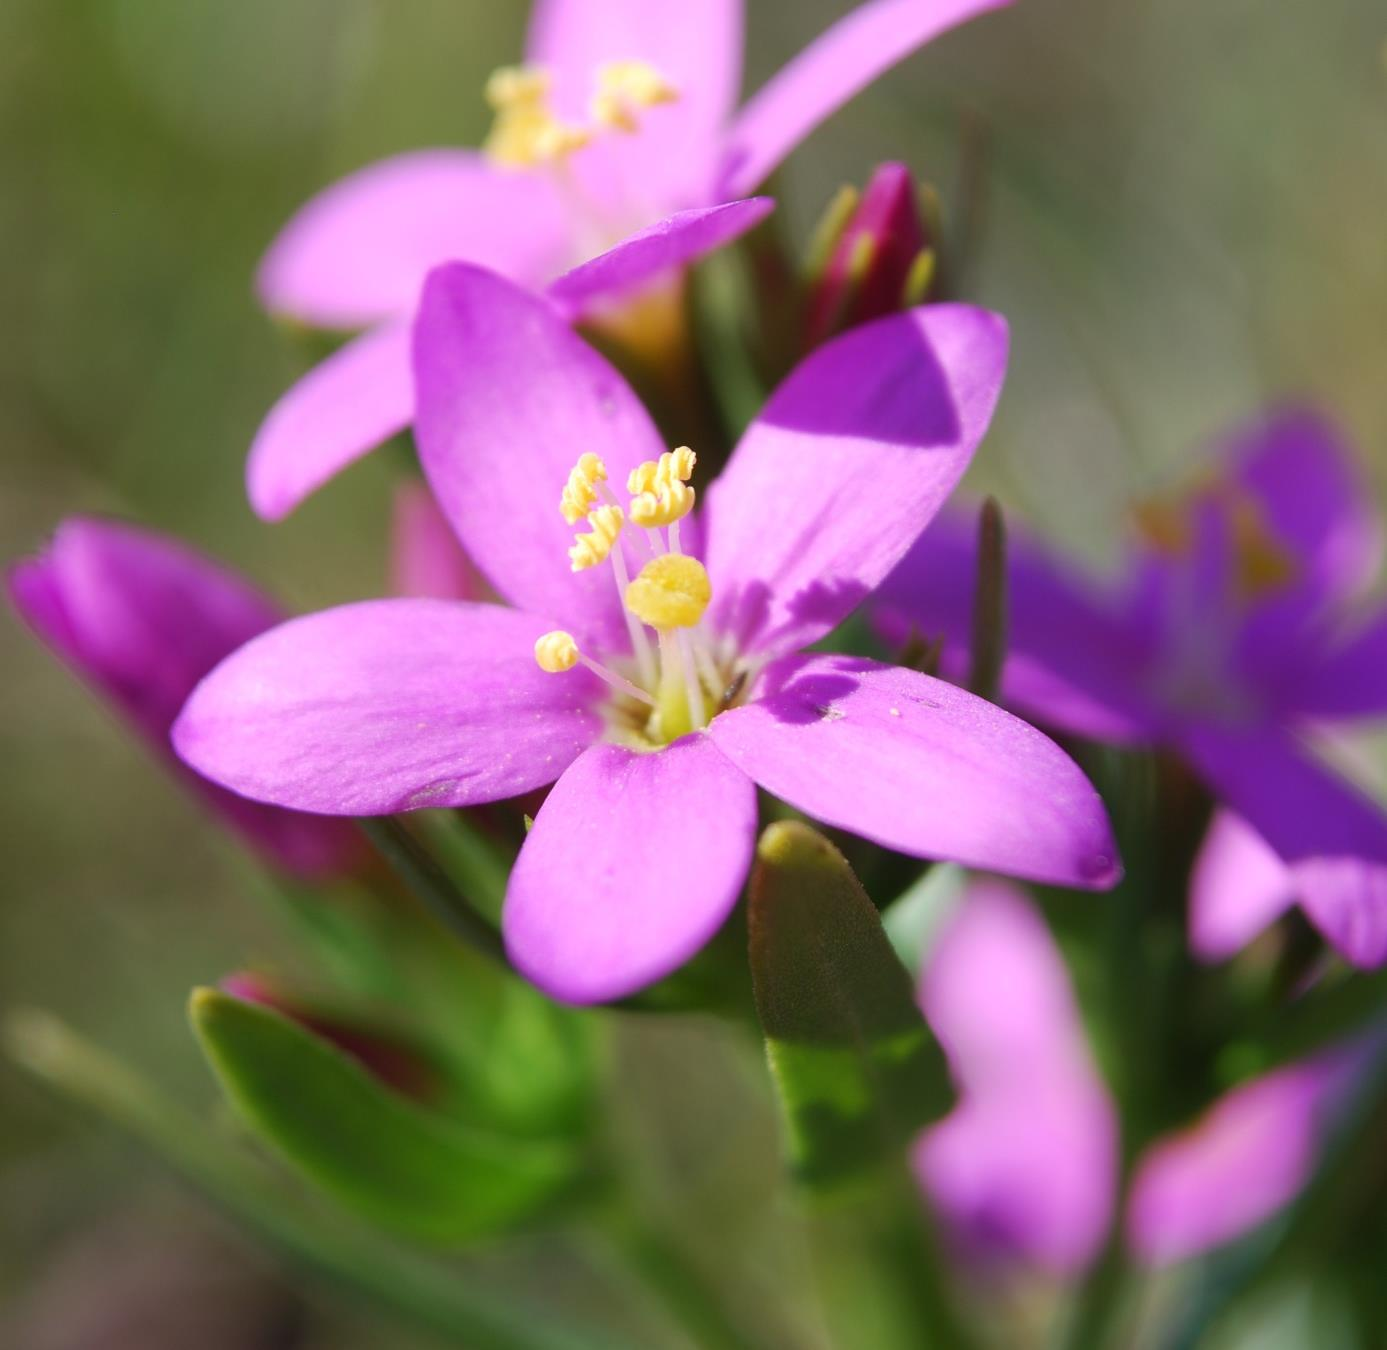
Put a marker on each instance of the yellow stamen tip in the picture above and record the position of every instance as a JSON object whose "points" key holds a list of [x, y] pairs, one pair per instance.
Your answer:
{"points": [[526, 132], [626, 88], [580, 492], [556, 652], [594, 547], [659, 489], [671, 591]]}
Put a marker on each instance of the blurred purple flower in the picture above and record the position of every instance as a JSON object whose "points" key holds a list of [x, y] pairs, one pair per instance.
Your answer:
{"points": [[1025, 1168], [141, 619], [624, 115], [1236, 631], [636, 858], [426, 559]]}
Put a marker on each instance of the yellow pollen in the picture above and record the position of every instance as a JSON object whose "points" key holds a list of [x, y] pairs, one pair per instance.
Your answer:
{"points": [[556, 652], [670, 591], [592, 548], [624, 90], [659, 489], [580, 492], [526, 132]]}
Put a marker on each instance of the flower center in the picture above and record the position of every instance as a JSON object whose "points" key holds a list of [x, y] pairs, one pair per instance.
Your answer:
{"points": [[527, 133], [676, 684]]}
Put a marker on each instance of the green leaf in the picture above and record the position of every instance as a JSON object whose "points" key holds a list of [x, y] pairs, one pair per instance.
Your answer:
{"points": [[857, 1068], [403, 1167]]}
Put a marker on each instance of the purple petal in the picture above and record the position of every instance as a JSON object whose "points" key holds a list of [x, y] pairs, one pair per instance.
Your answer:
{"points": [[1245, 1159], [921, 766], [1346, 899], [1026, 1165], [633, 863], [508, 398], [670, 162], [834, 68], [1073, 660], [359, 251], [1300, 807], [388, 706], [1238, 888], [849, 460], [426, 560], [358, 398], [1351, 679], [645, 256], [140, 618]]}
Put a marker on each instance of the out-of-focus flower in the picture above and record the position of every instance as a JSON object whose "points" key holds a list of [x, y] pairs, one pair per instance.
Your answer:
{"points": [[1025, 1168], [624, 114], [660, 685], [879, 260], [1234, 634], [391, 1059], [426, 559], [141, 618]]}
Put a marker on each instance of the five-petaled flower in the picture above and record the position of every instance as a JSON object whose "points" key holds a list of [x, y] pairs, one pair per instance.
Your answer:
{"points": [[651, 665], [1236, 634], [619, 134]]}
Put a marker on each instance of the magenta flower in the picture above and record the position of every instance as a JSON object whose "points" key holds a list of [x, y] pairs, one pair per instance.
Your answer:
{"points": [[1236, 632], [140, 618], [1026, 1165], [425, 556], [624, 115], [658, 687]]}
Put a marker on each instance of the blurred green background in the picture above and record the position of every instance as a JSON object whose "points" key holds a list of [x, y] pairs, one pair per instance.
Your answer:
{"points": [[1179, 204]]}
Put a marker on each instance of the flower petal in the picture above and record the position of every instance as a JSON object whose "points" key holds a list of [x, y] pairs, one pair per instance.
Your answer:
{"points": [[670, 161], [673, 242], [845, 466], [1346, 899], [1241, 1162], [833, 69], [360, 250], [1351, 679], [508, 398], [426, 560], [1027, 1163], [358, 398], [1238, 888], [387, 706], [633, 863], [1073, 661], [1301, 808], [141, 618], [921, 766]]}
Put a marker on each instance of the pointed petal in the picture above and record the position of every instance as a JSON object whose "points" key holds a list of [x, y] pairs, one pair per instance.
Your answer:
{"points": [[140, 619], [1073, 661], [360, 250], [357, 399], [850, 459], [670, 162], [1028, 1161], [668, 244], [387, 706], [633, 863], [1242, 1161], [833, 69], [508, 398], [1301, 808], [1238, 888], [921, 766]]}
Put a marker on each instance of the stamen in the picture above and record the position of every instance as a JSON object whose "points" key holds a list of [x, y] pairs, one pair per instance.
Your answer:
{"points": [[581, 490], [594, 547], [624, 90], [671, 591], [659, 489], [526, 132], [557, 652]]}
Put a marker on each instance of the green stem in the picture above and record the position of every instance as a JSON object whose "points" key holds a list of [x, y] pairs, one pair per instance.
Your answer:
{"points": [[409, 1284], [418, 869]]}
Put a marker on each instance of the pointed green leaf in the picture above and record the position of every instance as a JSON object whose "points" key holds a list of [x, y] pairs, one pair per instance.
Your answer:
{"points": [[857, 1068], [405, 1168]]}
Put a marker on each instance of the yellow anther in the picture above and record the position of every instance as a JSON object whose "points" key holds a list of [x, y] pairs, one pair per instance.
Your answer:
{"points": [[624, 90], [556, 652], [526, 132], [659, 488], [580, 492], [671, 591], [592, 548]]}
